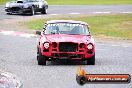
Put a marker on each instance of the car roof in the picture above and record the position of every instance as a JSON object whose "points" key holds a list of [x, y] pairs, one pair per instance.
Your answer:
{"points": [[66, 21]]}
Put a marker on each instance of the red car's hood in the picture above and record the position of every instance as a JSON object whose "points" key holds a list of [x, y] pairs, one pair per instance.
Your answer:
{"points": [[67, 38]]}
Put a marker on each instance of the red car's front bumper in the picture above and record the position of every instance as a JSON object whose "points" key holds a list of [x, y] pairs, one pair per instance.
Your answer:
{"points": [[68, 55], [79, 54]]}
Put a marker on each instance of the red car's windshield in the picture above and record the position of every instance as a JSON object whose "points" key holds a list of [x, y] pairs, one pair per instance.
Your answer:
{"points": [[67, 28]]}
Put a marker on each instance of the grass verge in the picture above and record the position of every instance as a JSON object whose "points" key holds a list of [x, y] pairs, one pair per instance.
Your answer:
{"points": [[102, 25], [87, 2], [81, 2], [4, 1]]}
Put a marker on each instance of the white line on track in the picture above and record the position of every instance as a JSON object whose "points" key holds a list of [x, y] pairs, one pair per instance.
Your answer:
{"points": [[125, 45], [7, 32], [101, 44], [90, 12], [15, 33], [102, 12], [54, 14], [115, 45], [126, 12], [74, 13], [38, 15], [27, 35]]}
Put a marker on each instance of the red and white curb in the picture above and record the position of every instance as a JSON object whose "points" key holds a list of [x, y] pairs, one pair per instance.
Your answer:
{"points": [[8, 80], [15, 33]]}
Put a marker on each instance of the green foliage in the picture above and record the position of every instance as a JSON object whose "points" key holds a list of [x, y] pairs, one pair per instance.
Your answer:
{"points": [[4, 1], [103, 25]]}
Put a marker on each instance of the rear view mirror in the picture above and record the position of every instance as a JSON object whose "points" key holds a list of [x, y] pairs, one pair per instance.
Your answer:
{"points": [[38, 32]]}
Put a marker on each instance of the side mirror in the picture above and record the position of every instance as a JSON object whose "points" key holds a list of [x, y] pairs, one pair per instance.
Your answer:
{"points": [[38, 32]]}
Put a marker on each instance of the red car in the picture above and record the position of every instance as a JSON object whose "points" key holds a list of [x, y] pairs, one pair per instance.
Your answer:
{"points": [[65, 40]]}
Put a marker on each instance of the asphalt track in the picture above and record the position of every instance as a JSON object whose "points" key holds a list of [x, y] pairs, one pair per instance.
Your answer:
{"points": [[76, 9], [18, 56]]}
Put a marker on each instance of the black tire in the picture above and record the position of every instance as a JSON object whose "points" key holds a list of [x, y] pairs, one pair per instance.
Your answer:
{"points": [[44, 10], [40, 58], [81, 80], [32, 11], [91, 61], [9, 13]]}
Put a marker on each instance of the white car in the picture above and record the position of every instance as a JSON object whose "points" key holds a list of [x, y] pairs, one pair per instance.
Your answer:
{"points": [[26, 6]]}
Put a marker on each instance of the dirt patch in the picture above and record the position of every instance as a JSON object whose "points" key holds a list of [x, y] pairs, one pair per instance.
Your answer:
{"points": [[13, 25]]}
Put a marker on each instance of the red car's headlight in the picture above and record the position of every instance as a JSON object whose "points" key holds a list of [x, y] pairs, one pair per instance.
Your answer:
{"points": [[90, 46], [46, 45]]}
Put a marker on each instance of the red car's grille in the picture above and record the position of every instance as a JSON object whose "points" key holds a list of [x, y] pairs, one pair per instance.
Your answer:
{"points": [[68, 47]]}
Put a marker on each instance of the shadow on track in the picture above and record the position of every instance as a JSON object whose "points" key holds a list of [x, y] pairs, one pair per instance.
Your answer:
{"points": [[27, 14], [65, 62]]}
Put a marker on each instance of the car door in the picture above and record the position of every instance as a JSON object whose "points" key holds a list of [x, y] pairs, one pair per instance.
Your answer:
{"points": [[35, 4]]}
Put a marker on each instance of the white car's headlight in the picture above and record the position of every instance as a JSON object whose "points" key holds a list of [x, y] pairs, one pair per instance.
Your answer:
{"points": [[46, 45], [90, 46], [7, 5], [26, 6]]}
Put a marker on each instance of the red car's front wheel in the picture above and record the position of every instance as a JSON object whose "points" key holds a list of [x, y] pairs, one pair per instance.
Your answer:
{"points": [[91, 61], [40, 58]]}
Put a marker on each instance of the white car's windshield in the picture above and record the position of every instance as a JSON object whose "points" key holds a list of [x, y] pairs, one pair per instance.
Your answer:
{"points": [[67, 28], [21, 1]]}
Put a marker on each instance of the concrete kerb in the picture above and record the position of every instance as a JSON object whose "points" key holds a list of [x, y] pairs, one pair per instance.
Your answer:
{"points": [[8, 80]]}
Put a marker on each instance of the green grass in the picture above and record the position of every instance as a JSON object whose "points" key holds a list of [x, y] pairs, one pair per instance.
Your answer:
{"points": [[3, 1], [81, 2], [103, 25], [87, 2]]}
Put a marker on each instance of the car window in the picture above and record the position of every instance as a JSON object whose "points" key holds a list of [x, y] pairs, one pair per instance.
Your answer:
{"points": [[67, 28]]}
